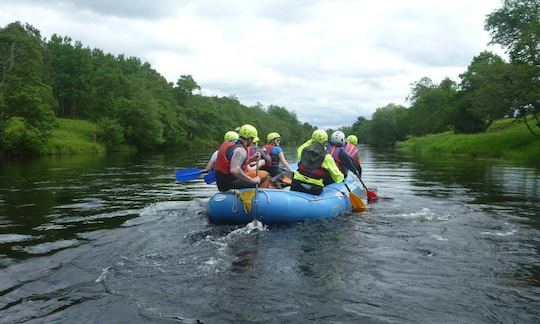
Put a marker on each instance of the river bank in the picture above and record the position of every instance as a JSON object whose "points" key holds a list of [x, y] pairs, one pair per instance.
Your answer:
{"points": [[507, 140]]}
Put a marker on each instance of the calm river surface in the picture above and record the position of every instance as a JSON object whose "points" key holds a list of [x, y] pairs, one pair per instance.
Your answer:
{"points": [[114, 239]]}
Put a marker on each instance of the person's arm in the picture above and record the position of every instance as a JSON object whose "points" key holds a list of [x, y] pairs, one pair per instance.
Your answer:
{"points": [[284, 162], [237, 159], [357, 164], [266, 157], [330, 165], [211, 163], [347, 161]]}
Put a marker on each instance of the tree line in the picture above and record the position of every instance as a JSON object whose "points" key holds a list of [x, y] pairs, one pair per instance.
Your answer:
{"points": [[489, 89], [130, 101]]}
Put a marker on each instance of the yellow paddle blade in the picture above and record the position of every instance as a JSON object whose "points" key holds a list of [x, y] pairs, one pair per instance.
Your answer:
{"points": [[357, 203]]}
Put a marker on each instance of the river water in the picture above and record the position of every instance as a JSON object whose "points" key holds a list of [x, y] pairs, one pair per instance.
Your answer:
{"points": [[114, 239]]}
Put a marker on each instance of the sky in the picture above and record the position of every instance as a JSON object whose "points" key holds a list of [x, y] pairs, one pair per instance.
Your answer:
{"points": [[329, 61]]}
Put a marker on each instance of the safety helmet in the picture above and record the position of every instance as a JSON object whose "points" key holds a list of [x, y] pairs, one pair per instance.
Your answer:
{"points": [[255, 140], [352, 139], [247, 131], [272, 136], [319, 136], [337, 138], [230, 136]]}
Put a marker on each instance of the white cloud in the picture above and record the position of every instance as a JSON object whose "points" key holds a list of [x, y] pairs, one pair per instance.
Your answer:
{"points": [[329, 61]]}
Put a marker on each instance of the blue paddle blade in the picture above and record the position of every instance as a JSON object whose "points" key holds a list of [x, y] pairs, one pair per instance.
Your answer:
{"points": [[210, 177], [187, 174]]}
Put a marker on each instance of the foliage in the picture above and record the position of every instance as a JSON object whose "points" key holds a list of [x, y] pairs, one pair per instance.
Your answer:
{"points": [[20, 137], [505, 139], [109, 132], [129, 100], [24, 91], [516, 26], [388, 125]]}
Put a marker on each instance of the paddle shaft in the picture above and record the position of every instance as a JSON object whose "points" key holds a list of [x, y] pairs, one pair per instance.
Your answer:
{"points": [[256, 189]]}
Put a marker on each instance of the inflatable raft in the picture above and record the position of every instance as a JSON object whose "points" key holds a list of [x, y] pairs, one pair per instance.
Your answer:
{"points": [[281, 206]]}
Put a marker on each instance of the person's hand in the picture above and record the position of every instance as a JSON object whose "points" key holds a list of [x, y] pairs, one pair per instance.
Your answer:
{"points": [[256, 179], [258, 155]]}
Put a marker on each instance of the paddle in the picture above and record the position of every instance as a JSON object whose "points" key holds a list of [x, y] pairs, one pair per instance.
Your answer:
{"points": [[188, 174], [356, 203], [210, 177], [254, 208], [371, 195], [194, 173]]}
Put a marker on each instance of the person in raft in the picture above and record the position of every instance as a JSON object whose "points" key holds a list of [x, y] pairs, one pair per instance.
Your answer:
{"points": [[343, 160], [232, 160], [351, 147], [314, 165], [276, 155], [252, 153], [228, 137]]}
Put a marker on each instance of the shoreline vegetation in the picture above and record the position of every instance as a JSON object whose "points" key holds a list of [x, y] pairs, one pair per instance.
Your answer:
{"points": [[506, 140], [49, 87]]}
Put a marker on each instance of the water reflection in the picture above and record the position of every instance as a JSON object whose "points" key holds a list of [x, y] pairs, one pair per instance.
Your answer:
{"points": [[102, 238]]}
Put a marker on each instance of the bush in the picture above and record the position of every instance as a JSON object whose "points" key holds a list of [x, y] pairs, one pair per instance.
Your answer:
{"points": [[109, 132], [19, 137]]}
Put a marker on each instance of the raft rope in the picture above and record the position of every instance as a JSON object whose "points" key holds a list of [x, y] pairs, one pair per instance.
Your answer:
{"points": [[247, 198]]}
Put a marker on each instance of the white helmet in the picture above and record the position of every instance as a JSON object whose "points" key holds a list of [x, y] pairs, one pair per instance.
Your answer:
{"points": [[337, 138]]}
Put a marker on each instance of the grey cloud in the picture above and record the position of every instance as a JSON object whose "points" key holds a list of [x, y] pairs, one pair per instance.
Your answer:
{"points": [[430, 40], [130, 9]]}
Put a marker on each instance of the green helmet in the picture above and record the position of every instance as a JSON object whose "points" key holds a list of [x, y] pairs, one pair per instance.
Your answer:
{"points": [[230, 136], [352, 139], [319, 136], [247, 131], [271, 136], [255, 140]]}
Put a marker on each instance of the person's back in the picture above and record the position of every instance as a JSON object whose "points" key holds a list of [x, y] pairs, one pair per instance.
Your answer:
{"points": [[314, 165], [340, 156]]}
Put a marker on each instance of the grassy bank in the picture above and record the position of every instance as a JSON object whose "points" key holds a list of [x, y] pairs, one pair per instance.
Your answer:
{"points": [[507, 139], [73, 136]]}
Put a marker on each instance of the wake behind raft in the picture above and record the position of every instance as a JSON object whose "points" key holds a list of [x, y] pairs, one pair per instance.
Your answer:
{"points": [[281, 206]]}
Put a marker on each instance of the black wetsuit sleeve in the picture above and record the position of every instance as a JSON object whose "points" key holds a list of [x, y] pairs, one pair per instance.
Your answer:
{"points": [[347, 161]]}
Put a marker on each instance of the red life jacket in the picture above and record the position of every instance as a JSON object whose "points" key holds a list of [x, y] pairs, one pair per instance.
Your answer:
{"points": [[334, 151], [315, 173], [352, 150], [274, 157], [223, 163]]}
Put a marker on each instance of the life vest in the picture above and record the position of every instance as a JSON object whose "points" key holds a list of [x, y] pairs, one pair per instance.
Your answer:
{"points": [[315, 173], [334, 152], [352, 150], [223, 162], [274, 157]]}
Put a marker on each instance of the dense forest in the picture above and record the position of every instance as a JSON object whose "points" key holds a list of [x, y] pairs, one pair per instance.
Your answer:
{"points": [[132, 103]]}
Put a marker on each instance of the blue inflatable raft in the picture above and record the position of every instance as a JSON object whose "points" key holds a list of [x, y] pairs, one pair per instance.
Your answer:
{"points": [[281, 206]]}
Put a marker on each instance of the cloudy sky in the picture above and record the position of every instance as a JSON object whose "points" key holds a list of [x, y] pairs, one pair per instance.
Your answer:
{"points": [[329, 61]]}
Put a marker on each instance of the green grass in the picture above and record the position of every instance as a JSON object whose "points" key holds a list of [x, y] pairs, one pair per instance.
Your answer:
{"points": [[508, 140], [73, 136]]}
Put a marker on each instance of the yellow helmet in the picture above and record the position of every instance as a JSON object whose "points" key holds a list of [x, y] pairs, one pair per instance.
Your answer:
{"points": [[352, 139], [272, 136], [319, 136], [247, 131], [255, 140], [230, 136]]}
